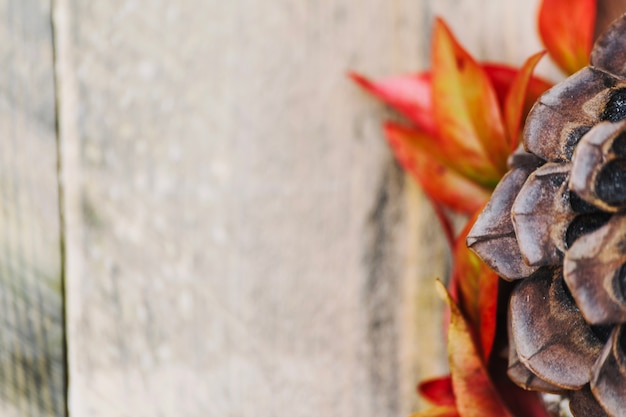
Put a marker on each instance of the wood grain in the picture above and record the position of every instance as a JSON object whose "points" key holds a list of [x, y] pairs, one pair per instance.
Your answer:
{"points": [[32, 358], [240, 241], [243, 223]]}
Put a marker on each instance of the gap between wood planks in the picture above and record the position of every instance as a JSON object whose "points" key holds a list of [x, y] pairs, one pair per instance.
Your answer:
{"points": [[68, 170]]}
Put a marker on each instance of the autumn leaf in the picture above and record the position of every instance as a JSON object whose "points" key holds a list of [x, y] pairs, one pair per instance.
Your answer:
{"points": [[566, 28], [502, 77], [437, 390], [474, 391], [466, 110], [476, 287], [410, 95], [441, 411], [514, 102], [416, 152]]}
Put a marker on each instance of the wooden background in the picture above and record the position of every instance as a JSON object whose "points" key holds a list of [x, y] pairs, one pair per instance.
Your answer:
{"points": [[200, 216]]}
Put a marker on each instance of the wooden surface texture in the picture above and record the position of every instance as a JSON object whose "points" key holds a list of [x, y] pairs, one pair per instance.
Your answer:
{"points": [[234, 235], [32, 355], [242, 220]]}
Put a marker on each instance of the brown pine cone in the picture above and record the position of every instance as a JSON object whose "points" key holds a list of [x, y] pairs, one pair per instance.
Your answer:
{"points": [[556, 225]]}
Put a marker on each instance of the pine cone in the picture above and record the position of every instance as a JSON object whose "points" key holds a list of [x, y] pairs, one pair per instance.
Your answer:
{"points": [[556, 227]]}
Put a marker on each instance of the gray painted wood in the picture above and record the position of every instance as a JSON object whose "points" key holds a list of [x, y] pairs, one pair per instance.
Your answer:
{"points": [[32, 364]]}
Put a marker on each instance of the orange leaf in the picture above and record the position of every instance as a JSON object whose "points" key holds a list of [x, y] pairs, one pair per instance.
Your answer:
{"points": [[442, 411], [502, 77], [474, 392], [418, 154], [477, 292], [514, 105], [466, 109], [437, 390], [410, 95], [566, 29]]}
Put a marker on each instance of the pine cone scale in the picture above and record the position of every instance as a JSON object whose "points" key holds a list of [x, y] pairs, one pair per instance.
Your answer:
{"points": [[583, 403], [494, 231], [552, 338], [541, 214], [593, 272], [608, 52], [608, 381], [600, 149], [566, 111]]}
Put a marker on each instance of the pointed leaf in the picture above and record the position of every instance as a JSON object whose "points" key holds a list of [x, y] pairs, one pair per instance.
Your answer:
{"points": [[410, 95], [418, 155], [466, 109], [475, 394], [566, 29], [515, 99], [437, 390], [442, 411], [477, 292], [502, 77]]}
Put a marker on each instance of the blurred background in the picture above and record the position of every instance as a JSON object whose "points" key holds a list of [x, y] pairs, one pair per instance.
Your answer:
{"points": [[199, 213]]}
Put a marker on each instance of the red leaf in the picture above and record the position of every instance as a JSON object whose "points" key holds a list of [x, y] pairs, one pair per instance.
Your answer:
{"points": [[514, 105], [437, 390], [466, 110], [442, 411], [566, 29], [410, 95], [477, 292], [502, 77], [418, 154], [474, 392]]}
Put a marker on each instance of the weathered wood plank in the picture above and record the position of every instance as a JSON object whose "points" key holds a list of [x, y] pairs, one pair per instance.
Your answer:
{"points": [[242, 242], [242, 220], [32, 364]]}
